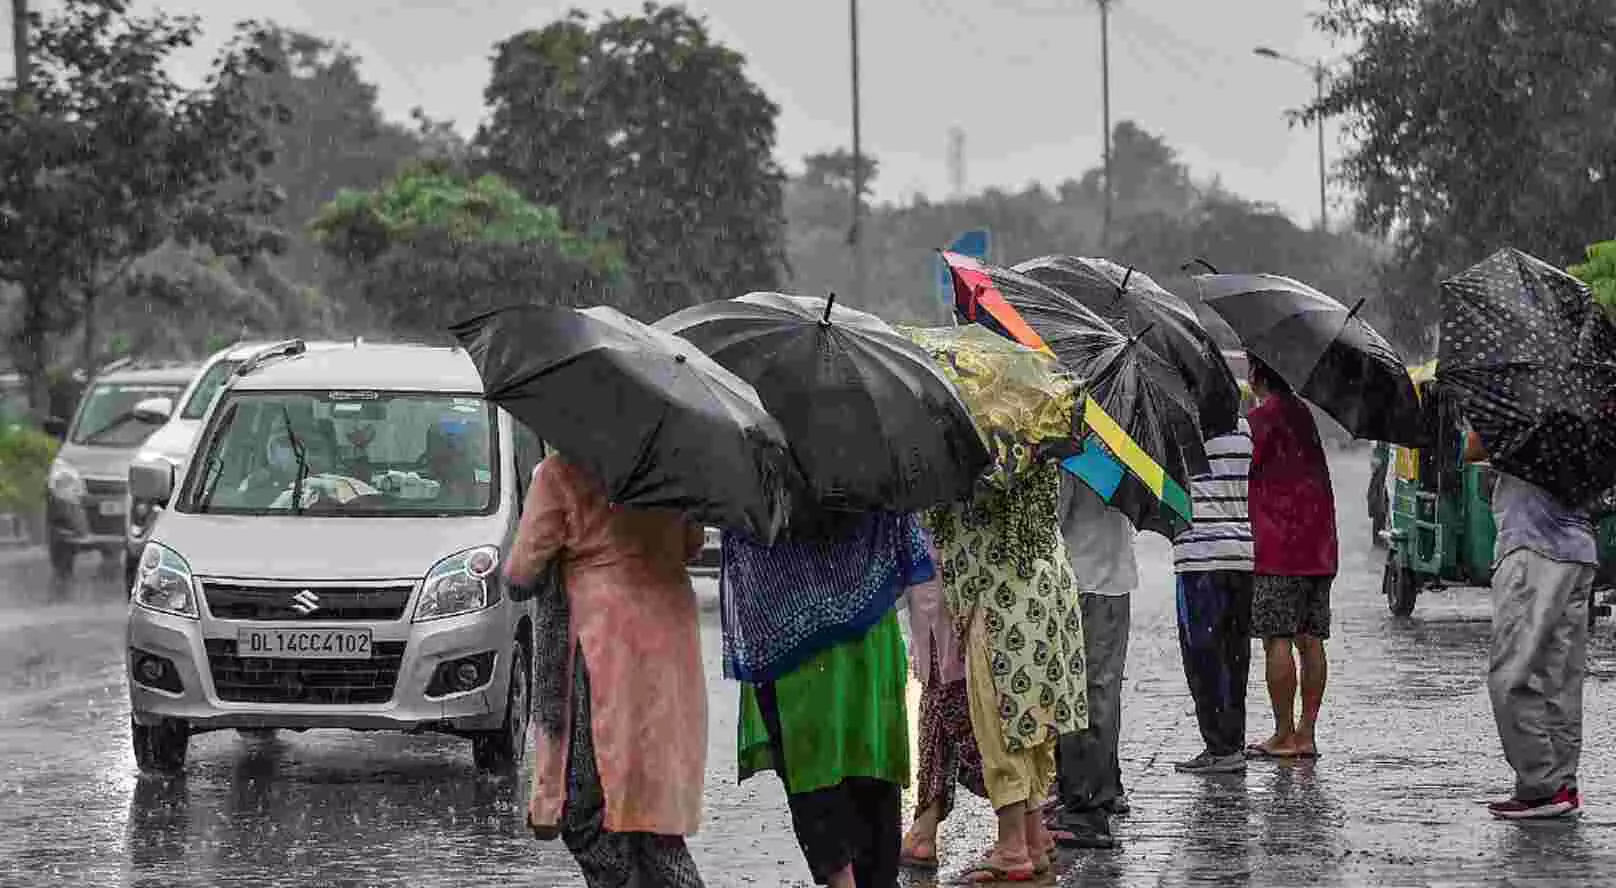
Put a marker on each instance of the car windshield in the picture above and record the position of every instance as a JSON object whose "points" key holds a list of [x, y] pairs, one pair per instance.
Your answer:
{"points": [[207, 388], [106, 420], [356, 453]]}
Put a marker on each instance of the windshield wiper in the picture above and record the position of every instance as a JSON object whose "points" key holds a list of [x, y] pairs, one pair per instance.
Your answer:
{"points": [[117, 422], [302, 462], [215, 461]]}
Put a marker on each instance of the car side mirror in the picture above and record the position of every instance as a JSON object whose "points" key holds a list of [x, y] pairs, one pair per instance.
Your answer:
{"points": [[154, 411], [55, 426], [151, 482]]}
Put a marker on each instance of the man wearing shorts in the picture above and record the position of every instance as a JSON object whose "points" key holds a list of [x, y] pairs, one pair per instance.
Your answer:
{"points": [[1293, 529]]}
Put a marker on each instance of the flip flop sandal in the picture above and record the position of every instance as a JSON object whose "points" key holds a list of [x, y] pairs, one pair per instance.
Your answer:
{"points": [[984, 872], [1259, 751], [916, 861], [1046, 862]]}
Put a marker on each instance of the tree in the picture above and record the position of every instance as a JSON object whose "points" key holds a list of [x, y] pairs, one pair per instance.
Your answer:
{"points": [[329, 133], [1147, 176], [109, 158], [1477, 124], [644, 130], [431, 246]]}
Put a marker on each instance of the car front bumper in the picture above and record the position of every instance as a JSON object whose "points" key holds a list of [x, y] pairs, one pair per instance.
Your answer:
{"points": [[426, 645]]}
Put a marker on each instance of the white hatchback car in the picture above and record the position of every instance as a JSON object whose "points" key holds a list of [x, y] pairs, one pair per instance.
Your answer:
{"points": [[330, 558]]}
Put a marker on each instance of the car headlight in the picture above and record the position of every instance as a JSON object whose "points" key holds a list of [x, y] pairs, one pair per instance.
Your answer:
{"points": [[459, 584], [65, 482], [164, 582]]}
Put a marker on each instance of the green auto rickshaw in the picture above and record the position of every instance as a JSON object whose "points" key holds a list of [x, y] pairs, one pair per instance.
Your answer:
{"points": [[1438, 523]]}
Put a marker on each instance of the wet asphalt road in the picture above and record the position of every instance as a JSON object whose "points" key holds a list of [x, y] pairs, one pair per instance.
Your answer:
{"points": [[1407, 741]]}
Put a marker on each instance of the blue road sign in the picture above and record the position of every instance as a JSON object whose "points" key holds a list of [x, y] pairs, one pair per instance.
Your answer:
{"points": [[976, 244]]}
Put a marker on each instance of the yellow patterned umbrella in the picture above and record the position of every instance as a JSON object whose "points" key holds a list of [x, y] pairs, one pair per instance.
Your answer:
{"points": [[1022, 401]]}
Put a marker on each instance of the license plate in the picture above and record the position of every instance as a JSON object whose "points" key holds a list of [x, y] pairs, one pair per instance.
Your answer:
{"points": [[112, 508], [304, 644]]}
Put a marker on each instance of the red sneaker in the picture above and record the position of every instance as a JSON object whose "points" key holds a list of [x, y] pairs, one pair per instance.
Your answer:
{"points": [[1563, 803]]}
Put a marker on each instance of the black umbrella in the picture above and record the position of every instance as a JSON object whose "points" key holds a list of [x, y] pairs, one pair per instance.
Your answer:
{"points": [[1532, 362], [1137, 306], [1328, 354], [873, 423], [1139, 390], [655, 420]]}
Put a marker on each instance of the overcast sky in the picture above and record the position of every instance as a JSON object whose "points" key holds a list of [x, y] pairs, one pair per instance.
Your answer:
{"points": [[1021, 78]]}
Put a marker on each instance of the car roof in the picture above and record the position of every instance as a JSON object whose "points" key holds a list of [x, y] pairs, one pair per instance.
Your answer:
{"points": [[364, 366], [178, 375], [241, 351]]}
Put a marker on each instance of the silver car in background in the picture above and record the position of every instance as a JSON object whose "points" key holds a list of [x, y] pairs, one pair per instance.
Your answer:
{"points": [[171, 445], [330, 557], [87, 487]]}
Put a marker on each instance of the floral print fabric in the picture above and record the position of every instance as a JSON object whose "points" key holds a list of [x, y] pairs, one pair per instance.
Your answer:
{"points": [[1002, 554]]}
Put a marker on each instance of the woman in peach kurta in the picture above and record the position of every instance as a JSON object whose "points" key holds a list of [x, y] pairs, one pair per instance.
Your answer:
{"points": [[624, 680]]}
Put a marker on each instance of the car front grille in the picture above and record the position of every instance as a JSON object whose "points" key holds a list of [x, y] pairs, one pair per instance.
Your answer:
{"points": [[105, 488], [327, 682], [243, 601]]}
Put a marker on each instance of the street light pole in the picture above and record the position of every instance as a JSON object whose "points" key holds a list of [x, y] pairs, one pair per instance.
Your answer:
{"points": [[1318, 124], [19, 50], [1105, 112], [855, 233], [1316, 68]]}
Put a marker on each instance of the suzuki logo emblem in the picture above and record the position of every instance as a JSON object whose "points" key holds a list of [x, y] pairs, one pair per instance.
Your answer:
{"points": [[305, 602]]}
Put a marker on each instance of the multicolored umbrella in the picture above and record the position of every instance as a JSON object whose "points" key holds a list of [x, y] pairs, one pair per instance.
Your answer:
{"points": [[1532, 363], [1131, 390], [1139, 307]]}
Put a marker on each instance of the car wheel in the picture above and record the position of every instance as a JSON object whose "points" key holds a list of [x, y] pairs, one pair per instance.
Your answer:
{"points": [[501, 751], [1401, 587], [160, 748]]}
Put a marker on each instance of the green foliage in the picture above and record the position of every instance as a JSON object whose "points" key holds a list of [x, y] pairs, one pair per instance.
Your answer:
{"points": [[430, 246], [1599, 273], [109, 157], [644, 129], [1475, 124], [25, 458], [361, 225]]}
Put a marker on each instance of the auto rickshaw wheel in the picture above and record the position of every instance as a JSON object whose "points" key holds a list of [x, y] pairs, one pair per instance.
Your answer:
{"points": [[1401, 585]]}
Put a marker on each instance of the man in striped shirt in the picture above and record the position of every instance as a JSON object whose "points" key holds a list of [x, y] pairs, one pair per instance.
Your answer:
{"points": [[1214, 560]]}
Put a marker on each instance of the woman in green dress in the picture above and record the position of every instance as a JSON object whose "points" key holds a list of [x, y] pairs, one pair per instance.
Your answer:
{"points": [[811, 631]]}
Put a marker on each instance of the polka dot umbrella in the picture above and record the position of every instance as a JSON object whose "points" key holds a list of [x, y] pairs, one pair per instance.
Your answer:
{"points": [[1532, 363]]}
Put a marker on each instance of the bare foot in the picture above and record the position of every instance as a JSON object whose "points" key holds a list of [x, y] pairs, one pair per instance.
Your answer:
{"points": [[1273, 744], [1295, 746], [919, 847]]}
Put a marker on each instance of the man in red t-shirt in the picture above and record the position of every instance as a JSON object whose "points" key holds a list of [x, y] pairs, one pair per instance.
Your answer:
{"points": [[1293, 526]]}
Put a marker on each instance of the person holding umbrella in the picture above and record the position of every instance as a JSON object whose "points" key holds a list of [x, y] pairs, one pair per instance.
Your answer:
{"points": [[635, 419], [621, 805], [1292, 511], [811, 631], [1010, 589], [1531, 361], [1544, 562]]}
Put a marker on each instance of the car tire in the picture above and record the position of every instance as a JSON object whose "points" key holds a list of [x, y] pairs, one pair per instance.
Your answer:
{"points": [[160, 748], [501, 751], [1401, 587]]}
